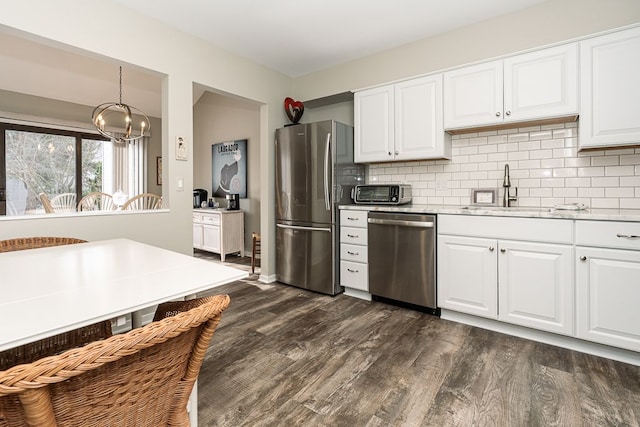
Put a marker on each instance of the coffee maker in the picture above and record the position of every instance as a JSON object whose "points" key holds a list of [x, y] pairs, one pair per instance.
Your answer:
{"points": [[233, 202], [199, 196]]}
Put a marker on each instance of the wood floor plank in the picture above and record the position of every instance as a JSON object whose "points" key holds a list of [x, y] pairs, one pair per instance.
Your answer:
{"points": [[283, 356]]}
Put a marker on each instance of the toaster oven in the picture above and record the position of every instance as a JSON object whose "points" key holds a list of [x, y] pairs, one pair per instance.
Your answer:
{"points": [[381, 194]]}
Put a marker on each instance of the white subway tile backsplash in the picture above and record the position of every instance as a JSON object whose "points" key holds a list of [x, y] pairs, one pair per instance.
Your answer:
{"points": [[630, 203], [599, 171], [619, 170], [544, 165], [605, 161]]}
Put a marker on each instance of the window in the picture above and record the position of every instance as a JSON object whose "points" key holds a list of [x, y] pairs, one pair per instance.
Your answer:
{"points": [[56, 162]]}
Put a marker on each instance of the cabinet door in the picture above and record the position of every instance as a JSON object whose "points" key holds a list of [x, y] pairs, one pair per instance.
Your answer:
{"points": [[211, 238], [473, 96], [535, 285], [608, 291], [197, 236], [610, 90], [541, 84], [419, 132], [373, 119], [467, 275]]}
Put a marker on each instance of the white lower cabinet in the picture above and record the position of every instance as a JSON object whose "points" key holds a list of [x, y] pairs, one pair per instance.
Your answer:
{"points": [[467, 275], [535, 285], [219, 231], [524, 282], [354, 267], [608, 283]]}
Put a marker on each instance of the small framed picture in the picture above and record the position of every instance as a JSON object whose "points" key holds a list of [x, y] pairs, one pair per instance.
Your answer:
{"points": [[159, 170], [484, 197]]}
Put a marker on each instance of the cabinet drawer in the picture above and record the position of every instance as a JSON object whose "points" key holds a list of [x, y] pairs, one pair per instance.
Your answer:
{"points": [[349, 218], [354, 275], [496, 227], [611, 234], [354, 253], [353, 235], [197, 217], [211, 219]]}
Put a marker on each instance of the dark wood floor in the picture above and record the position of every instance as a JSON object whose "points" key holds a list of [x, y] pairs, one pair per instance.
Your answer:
{"points": [[286, 357]]}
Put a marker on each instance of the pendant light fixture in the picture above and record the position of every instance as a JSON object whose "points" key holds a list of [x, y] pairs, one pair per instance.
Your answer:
{"points": [[115, 120]]}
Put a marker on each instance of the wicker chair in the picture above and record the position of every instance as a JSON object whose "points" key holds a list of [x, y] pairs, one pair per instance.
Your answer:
{"points": [[141, 378], [52, 345], [97, 201], [22, 243], [143, 201]]}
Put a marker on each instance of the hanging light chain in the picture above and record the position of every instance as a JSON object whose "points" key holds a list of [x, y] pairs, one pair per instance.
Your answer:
{"points": [[121, 85]]}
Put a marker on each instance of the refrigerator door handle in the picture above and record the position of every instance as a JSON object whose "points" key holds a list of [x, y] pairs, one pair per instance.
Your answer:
{"points": [[327, 201], [297, 227]]}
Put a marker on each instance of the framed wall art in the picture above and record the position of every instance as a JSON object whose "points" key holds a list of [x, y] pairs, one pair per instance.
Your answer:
{"points": [[229, 168], [159, 170]]}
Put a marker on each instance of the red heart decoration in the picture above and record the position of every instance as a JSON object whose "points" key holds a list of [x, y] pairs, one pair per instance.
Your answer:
{"points": [[294, 109]]}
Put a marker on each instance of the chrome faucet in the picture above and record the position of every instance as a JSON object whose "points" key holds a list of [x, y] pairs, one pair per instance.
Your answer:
{"points": [[506, 184]]}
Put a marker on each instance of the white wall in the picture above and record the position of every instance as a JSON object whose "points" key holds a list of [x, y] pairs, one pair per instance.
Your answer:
{"points": [[96, 29], [546, 23], [218, 118]]}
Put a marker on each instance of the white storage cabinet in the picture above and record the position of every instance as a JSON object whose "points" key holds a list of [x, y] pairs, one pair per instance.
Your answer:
{"points": [[610, 90], [402, 121], [219, 231], [533, 86], [354, 267], [608, 282], [516, 270]]}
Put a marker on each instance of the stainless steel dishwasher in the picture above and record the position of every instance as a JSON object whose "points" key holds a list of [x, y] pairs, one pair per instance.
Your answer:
{"points": [[402, 258]]}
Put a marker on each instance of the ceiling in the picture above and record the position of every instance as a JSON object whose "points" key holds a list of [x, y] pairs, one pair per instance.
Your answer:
{"points": [[293, 37], [297, 37]]}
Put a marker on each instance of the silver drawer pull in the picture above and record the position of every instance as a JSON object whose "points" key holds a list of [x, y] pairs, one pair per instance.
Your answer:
{"points": [[628, 236], [352, 271], [402, 223], [352, 218], [353, 236], [353, 253]]}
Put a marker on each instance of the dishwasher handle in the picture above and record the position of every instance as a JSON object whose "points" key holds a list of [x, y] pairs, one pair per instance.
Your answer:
{"points": [[401, 222]]}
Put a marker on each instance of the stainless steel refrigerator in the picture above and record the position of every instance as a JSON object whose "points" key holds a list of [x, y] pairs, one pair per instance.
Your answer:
{"points": [[314, 175]]}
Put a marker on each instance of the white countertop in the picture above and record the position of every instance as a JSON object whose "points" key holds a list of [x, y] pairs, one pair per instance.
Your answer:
{"points": [[527, 212], [217, 210]]}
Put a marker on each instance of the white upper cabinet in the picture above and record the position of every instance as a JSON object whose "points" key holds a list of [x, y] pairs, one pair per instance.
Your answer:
{"points": [[610, 90], [473, 96], [532, 86], [373, 133], [402, 121]]}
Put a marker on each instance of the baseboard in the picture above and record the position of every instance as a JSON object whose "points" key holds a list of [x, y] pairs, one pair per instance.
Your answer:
{"points": [[626, 356], [267, 279]]}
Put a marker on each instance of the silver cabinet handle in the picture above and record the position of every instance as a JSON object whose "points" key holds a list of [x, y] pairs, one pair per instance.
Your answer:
{"points": [[397, 152], [583, 258], [627, 236], [353, 253], [352, 271], [353, 236], [508, 113], [503, 250], [297, 227], [491, 248], [497, 113], [350, 218], [389, 152]]}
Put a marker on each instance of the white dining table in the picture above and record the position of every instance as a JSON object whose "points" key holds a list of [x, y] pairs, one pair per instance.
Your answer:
{"points": [[47, 291]]}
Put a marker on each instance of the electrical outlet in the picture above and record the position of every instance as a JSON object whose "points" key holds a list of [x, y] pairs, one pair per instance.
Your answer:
{"points": [[441, 184]]}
